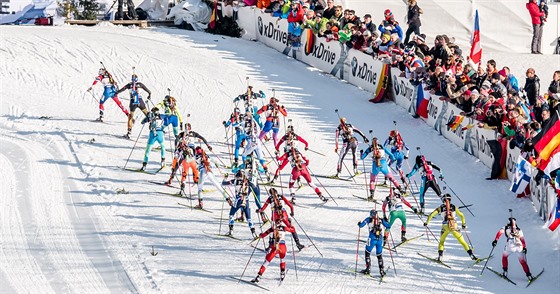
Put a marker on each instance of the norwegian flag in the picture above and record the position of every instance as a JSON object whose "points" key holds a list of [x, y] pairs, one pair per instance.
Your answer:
{"points": [[476, 48]]}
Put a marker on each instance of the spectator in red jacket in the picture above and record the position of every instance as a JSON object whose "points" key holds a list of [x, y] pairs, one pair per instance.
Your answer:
{"points": [[536, 15]]}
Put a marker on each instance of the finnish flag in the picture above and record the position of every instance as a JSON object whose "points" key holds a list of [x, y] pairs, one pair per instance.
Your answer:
{"points": [[521, 176]]}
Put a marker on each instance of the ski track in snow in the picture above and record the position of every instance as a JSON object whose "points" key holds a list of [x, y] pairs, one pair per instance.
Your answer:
{"points": [[71, 232]]}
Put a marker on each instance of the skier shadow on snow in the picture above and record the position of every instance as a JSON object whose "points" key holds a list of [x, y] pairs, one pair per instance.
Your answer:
{"points": [[123, 204], [160, 218]]}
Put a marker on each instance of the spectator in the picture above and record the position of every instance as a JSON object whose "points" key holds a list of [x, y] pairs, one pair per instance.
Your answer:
{"points": [[337, 17], [497, 86], [263, 4], [413, 19], [396, 41], [440, 52], [318, 5], [345, 34], [364, 42], [555, 84], [390, 27], [532, 86], [306, 9], [318, 24], [368, 24], [355, 34], [331, 32], [295, 19], [383, 47], [308, 16], [536, 20], [422, 50], [545, 116], [505, 81], [329, 11], [491, 68], [512, 79]]}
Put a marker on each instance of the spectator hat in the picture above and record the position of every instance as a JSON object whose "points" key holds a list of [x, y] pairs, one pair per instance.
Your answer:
{"points": [[545, 107], [306, 5], [553, 90], [458, 51], [295, 2], [475, 92], [511, 101], [502, 72], [318, 14], [367, 15], [486, 85], [367, 33], [421, 37], [386, 36], [496, 76], [388, 14], [467, 93]]}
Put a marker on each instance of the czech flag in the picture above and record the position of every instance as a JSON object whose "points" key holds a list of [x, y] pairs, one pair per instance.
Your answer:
{"points": [[422, 102], [476, 47]]}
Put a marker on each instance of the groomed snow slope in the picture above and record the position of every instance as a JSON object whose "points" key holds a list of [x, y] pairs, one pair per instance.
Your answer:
{"points": [[65, 229]]}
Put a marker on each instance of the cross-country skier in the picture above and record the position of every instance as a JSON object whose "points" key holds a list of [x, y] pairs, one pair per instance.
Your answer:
{"points": [[449, 225], [515, 243], [184, 155], [375, 240], [156, 134], [395, 202], [136, 100], [243, 190], [272, 112], [253, 142], [203, 165], [397, 147], [247, 99], [236, 121], [289, 138], [299, 165], [379, 155], [170, 114], [349, 142], [109, 91], [276, 246], [428, 178], [279, 213]]}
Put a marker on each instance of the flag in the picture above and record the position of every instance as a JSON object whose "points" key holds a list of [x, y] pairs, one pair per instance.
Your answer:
{"points": [[547, 144], [554, 217], [455, 121], [476, 47], [422, 102], [553, 163], [498, 150], [521, 176], [212, 23]]}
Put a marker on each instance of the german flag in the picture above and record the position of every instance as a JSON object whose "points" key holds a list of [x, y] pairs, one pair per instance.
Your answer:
{"points": [[455, 121], [212, 23], [548, 139]]}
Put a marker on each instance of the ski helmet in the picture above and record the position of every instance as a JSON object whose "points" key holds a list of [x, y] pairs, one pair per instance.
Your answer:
{"points": [[155, 110], [101, 71], [236, 110], [513, 225], [290, 128], [373, 213], [198, 150], [343, 120], [393, 133], [134, 78], [419, 160], [273, 100], [446, 196]]}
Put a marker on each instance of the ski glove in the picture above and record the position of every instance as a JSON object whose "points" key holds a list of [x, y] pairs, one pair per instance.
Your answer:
{"points": [[359, 223], [366, 140], [405, 157], [441, 177], [292, 214], [425, 224], [464, 226], [262, 94], [210, 148], [524, 250], [415, 210], [385, 219], [181, 126], [149, 97], [494, 243]]}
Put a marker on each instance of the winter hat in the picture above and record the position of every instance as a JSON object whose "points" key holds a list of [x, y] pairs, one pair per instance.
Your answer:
{"points": [[475, 92], [496, 76], [386, 36], [421, 37], [502, 72], [295, 2], [467, 93], [388, 14], [486, 85], [367, 33], [553, 90], [511, 101], [306, 5]]}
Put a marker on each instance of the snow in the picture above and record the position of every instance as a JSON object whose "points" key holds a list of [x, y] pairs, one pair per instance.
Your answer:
{"points": [[65, 229]]}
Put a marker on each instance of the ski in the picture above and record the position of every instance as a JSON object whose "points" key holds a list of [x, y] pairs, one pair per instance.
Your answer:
{"points": [[273, 185], [534, 278], [227, 219], [248, 282], [136, 170], [177, 194], [407, 240], [258, 248], [121, 191], [45, 117], [333, 177], [434, 260], [223, 236], [194, 207], [501, 276], [376, 276], [479, 260], [164, 184], [366, 199]]}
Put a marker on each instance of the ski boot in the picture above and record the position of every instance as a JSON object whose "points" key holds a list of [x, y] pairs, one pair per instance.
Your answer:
{"points": [[230, 232], [365, 271], [473, 257], [182, 186], [530, 277], [274, 179], [143, 168], [382, 272], [128, 134], [199, 206], [298, 244], [163, 162], [440, 255], [235, 164], [403, 238], [322, 197], [256, 279], [504, 273], [402, 190], [356, 172], [282, 274], [293, 201], [421, 208], [384, 241], [255, 236], [371, 195]]}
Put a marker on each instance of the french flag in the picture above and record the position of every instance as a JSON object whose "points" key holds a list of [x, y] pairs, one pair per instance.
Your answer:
{"points": [[476, 48], [422, 101]]}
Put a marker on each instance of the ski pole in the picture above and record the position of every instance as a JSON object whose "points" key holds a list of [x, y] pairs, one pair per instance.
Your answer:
{"points": [[316, 152], [467, 234], [133, 146], [489, 255], [366, 181], [392, 241], [243, 273], [307, 236], [391, 254], [457, 197], [348, 170], [357, 252], [322, 186], [294, 255]]}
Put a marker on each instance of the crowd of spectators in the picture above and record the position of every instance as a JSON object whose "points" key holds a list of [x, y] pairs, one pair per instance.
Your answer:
{"points": [[490, 94]]}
